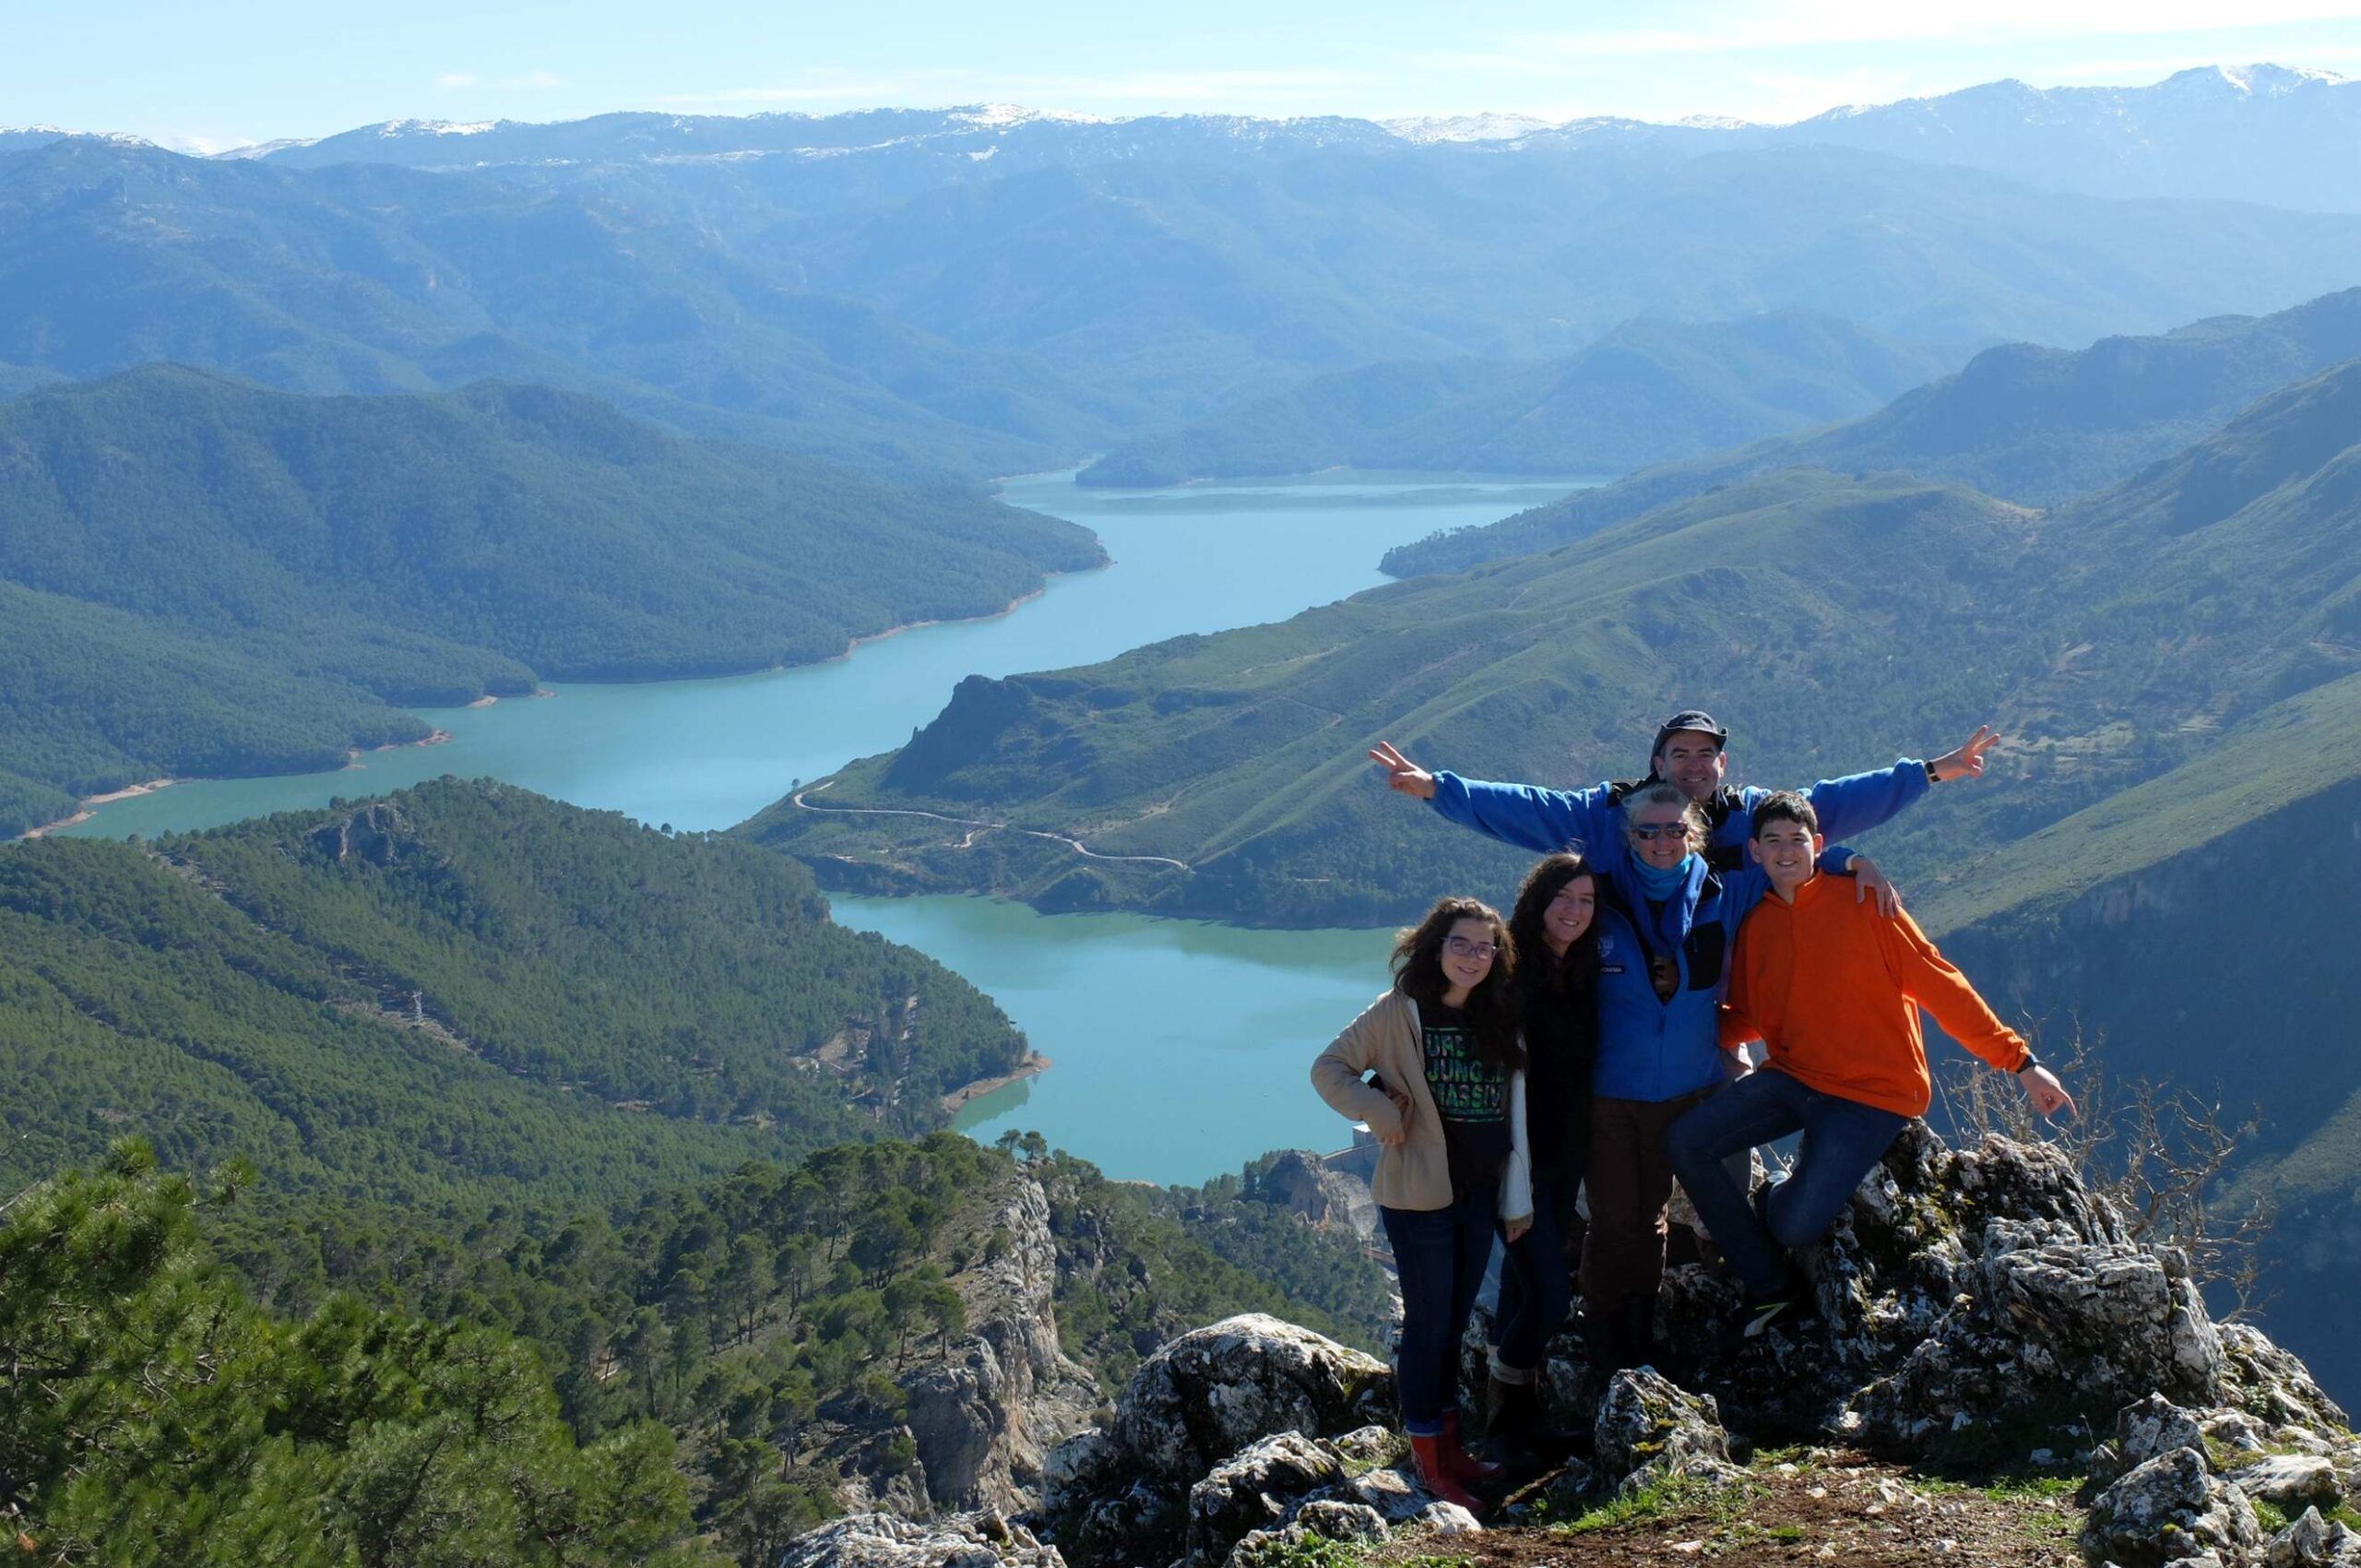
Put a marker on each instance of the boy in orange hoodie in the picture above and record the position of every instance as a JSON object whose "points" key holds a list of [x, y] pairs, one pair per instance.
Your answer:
{"points": [[1834, 988]]}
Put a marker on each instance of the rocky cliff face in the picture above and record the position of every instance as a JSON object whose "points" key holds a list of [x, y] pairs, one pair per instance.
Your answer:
{"points": [[1975, 1307], [2137, 963], [986, 1418]]}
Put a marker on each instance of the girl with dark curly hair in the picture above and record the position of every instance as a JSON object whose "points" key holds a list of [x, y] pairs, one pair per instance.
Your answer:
{"points": [[1447, 1108]]}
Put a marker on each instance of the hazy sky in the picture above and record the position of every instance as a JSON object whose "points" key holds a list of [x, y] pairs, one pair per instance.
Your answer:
{"points": [[216, 74]]}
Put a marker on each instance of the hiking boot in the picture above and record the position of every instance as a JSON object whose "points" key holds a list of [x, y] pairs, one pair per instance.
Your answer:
{"points": [[1521, 1434], [1603, 1341]]}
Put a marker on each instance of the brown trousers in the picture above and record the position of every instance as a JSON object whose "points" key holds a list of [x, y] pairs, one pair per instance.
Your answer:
{"points": [[1630, 1180]]}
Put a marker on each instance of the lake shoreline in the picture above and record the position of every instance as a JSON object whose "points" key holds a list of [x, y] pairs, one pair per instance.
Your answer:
{"points": [[87, 808], [958, 1099]]}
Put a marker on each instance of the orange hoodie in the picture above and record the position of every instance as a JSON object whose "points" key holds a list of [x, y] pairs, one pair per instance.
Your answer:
{"points": [[1834, 988]]}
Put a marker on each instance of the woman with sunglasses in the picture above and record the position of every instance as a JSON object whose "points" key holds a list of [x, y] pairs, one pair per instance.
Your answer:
{"points": [[1447, 1108], [1664, 945]]}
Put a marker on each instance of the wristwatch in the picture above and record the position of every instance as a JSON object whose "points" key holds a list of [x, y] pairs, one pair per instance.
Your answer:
{"points": [[1932, 777], [2030, 1063]]}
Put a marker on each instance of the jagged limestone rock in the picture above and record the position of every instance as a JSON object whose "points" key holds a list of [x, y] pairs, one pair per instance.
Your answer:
{"points": [[1209, 1394], [2171, 1507], [1649, 1430], [2313, 1542], [1306, 1184], [2271, 1385], [881, 1541], [1121, 1492], [1255, 1488], [987, 1415], [2145, 1430], [1372, 1445], [2293, 1481], [1322, 1520], [1446, 1519]]}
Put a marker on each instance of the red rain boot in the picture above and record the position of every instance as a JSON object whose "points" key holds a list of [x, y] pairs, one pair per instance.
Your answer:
{"points": [[1459, 1464], [1425, 1453]]}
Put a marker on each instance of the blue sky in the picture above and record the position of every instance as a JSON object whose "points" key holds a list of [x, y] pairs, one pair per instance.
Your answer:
{"points": [[207, 77]]}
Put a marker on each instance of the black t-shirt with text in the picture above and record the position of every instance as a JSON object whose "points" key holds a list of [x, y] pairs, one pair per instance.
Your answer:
{"points": [[1472, 1096]]}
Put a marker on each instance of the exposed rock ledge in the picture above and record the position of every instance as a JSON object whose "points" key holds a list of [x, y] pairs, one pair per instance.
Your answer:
{"points": [[1975, 1307]]}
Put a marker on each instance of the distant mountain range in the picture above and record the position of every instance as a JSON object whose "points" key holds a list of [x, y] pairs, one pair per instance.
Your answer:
{"points": [[201, 576], [2022, 422], [1647, 392], [988, 293], [2251, 133]]}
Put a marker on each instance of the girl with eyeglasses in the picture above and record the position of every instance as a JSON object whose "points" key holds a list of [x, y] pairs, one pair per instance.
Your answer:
{"points": [[1447, 1108]]}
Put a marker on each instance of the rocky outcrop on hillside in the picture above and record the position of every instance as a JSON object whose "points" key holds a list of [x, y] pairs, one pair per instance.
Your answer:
{"points": [[1976, 1305], [1304, 1183], [986, 1418]]}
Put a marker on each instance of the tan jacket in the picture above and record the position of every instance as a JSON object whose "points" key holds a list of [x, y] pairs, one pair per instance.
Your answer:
{"points": [[1414, 1173]]}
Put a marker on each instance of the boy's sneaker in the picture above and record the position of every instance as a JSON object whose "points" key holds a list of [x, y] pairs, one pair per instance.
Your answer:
{"points": [[1791, 1303], [1761, 1315]]}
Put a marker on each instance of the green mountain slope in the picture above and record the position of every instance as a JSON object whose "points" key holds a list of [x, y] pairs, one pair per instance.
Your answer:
{"points": [[1647, 392], [201, 576], [1834, 621], [2031, 424], [462, 994]]}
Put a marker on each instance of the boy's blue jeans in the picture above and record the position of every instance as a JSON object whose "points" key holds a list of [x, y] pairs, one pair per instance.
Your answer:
{"points": [[1440, 1255], [1842, 1140]]}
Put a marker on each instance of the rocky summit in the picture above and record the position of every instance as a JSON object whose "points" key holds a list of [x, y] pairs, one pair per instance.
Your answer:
{"points": [[1981, 1314]]}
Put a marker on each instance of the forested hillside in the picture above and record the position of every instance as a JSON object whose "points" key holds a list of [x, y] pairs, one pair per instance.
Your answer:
{"points": [[200, 577], [462, 993], [517, 1069], [2026, 424], [151, 1415], [689, 1379], [1647, 392], [2111, 640]]}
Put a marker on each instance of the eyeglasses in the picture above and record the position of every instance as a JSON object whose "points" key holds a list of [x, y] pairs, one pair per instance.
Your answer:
{"points": [[1460, 947], [1652, 831]]}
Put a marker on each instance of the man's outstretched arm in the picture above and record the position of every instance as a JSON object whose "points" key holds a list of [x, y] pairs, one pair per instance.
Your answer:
{"points": [[1863, 801], [1523, 814]]}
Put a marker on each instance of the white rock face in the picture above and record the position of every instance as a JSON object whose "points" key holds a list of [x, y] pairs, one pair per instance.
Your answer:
{"points": [[2170, 1508], [881, 1541], [1648, 1430], [986, 1418]]}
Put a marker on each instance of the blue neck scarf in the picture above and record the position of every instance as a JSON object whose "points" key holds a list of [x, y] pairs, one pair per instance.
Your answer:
{"points": [[1677, 889]]}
